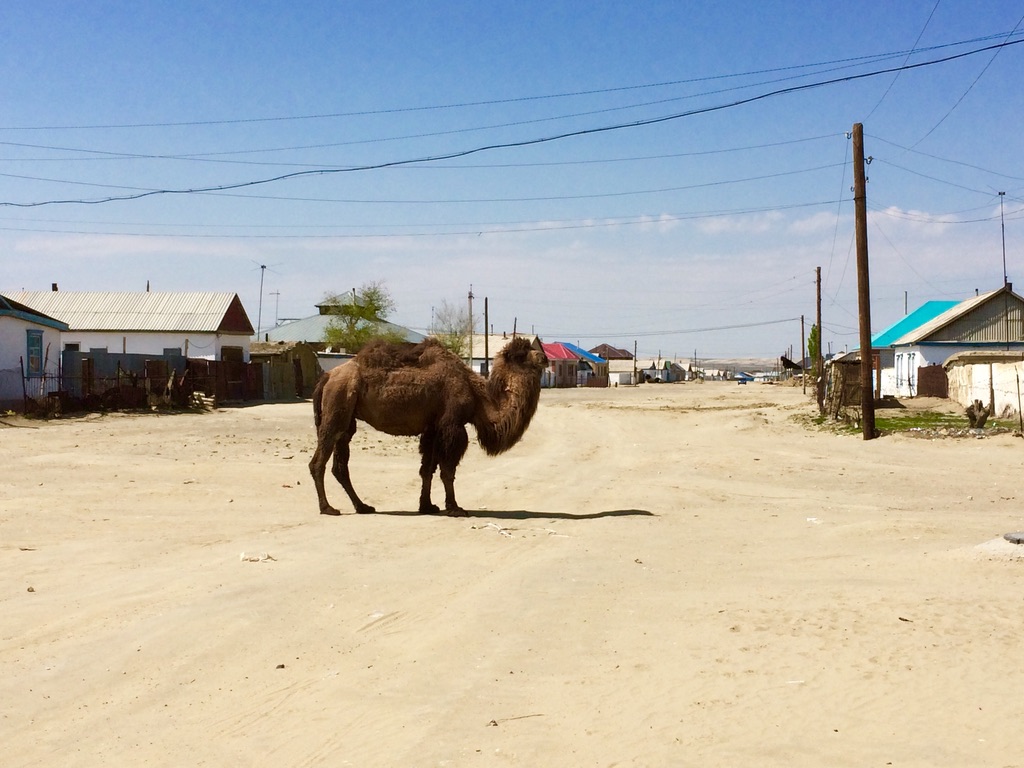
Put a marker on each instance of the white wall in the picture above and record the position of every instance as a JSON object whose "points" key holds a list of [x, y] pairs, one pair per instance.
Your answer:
{"points": [[977, 381], [909, 359], [198, 345], [14, 348]]}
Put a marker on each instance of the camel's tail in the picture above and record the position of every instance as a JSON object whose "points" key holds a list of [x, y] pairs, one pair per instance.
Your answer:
{"points": [[318, 396]]}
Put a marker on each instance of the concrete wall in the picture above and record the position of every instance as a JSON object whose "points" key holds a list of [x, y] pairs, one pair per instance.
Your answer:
{"points": [[980, 381]]}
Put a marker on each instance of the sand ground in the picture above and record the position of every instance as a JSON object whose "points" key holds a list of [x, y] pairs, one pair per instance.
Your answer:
{"points": [[673, 575]]}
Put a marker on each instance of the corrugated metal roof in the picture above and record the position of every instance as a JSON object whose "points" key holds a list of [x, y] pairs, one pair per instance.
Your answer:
{"points": [[188, 311], [923, 314], [950, 316], [313, 329], [11, 308], [583, 354], [555, 350]]}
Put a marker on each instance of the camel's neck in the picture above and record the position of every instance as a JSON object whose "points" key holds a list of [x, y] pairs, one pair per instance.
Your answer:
{"points": [[511, 402]]}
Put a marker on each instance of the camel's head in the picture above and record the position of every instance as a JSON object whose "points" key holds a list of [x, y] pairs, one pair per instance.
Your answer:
{"points": [[520, 353]]}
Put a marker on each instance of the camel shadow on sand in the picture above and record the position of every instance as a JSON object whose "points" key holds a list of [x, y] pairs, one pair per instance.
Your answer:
{"points": [[525, 514]]}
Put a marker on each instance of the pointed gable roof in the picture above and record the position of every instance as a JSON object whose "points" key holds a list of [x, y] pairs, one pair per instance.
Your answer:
{"points": [[557, 351], [981, 318], [608, 352], [12, 308]]}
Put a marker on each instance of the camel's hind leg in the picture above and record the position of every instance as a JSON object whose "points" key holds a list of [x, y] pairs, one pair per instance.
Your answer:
{"points": [[428, 465], [340, 469]]}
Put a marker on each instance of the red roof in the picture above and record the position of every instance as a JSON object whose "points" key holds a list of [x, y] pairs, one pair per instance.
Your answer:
{"points": [[556, 351]]}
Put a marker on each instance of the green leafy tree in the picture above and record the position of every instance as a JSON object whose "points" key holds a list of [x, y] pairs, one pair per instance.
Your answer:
{"points": [[360, 316], [813, 346]]}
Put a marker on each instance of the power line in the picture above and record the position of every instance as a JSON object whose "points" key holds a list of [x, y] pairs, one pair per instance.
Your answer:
{"points": [[909, 54], [679, 332], [110, 155], [947, 160], [971, 86], [512, 100], [474, 229], [511, 144]]}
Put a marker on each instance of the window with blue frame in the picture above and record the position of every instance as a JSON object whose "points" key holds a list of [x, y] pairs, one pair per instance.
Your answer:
{"points": [[35, 353]]}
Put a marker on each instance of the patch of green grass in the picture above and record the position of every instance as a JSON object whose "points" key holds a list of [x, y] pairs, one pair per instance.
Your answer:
{"points": [[902, 422]]}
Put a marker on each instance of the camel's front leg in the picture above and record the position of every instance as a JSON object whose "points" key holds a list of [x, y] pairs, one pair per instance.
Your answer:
{"points": [[340, 470], [317, 468]]}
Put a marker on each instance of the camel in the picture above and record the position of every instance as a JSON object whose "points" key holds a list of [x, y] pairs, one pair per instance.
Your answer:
{"points": [[423, 389]]}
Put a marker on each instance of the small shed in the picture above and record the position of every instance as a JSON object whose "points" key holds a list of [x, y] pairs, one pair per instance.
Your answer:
{"points": [[290, 368]]}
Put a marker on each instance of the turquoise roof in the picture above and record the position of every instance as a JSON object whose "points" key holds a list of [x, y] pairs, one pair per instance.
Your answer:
{"points": [[923, 314]]}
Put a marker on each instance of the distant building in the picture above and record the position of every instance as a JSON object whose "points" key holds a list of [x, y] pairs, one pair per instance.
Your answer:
{"points": [[591, 370], [313, 329], [609, 353], [562, 366]]}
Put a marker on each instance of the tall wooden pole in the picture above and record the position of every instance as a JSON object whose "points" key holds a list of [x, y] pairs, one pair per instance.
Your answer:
{"points": [[867, 393], [486, 371], [471, 326], [803, 355], [819, 362]]}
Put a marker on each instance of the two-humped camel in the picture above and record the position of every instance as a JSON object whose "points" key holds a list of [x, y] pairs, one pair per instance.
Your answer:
{"points": [[423, 389]]}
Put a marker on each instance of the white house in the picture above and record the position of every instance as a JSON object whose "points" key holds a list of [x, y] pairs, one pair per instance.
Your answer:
{"points": [[29, 348], [988, 321], [195, 324]]}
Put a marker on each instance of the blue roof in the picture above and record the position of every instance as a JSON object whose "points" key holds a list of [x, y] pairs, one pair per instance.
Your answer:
{"points": [[582, 353], [923, 314]]}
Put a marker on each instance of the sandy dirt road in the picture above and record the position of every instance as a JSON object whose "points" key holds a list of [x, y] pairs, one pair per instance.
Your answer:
{"points": [[672, 575]]}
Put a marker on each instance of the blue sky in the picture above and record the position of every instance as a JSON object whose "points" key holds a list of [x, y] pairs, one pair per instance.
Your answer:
{"points": [[587, 167]]}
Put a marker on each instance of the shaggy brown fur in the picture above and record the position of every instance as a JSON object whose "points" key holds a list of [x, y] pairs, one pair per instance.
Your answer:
{"points": [[423, 389]]}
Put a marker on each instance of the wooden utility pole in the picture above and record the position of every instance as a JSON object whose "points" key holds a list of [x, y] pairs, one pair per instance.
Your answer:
{"points": [[803, 355], [860, 206], [486, 370], [471, 326], [819, 362]]}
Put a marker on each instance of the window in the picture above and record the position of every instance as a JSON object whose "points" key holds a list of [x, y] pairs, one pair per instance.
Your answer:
{"points": [[232, 354], [72, 347], [35, 353]]}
